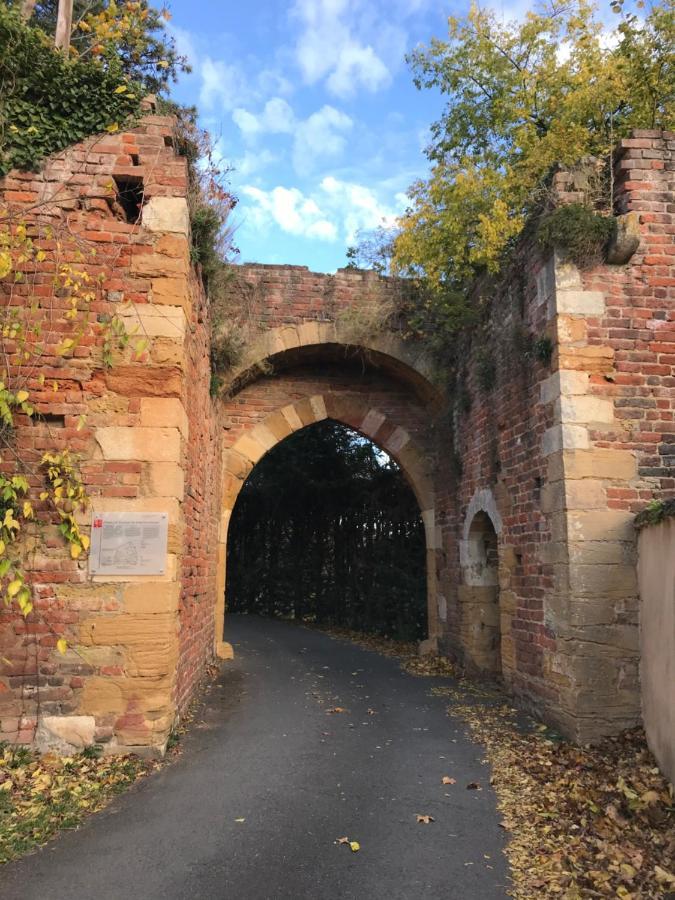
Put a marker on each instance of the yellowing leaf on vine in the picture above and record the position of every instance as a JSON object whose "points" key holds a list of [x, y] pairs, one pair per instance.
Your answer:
{"points": [[22, 396], [62, 645], [122, 89], [75, 551], [5, 263], [112, 128], [14, 587], [85, 542], [27, 509], [2, 547], [44, 495]]}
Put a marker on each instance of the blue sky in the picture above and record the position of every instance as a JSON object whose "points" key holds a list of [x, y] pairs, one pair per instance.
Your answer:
{"points": [[313, 104]]}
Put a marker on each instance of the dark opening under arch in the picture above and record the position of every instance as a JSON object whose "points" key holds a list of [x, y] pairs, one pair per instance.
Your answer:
{"points": [[326, 528]]}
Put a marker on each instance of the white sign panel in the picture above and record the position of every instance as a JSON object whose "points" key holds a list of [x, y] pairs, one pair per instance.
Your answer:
{"points": [[128, 543]]}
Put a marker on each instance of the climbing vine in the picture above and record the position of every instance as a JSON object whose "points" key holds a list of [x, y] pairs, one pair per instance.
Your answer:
{"points": [[43, 488]]}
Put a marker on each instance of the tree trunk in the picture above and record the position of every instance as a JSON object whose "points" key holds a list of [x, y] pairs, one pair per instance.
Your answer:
{"points": [[64, 24]]}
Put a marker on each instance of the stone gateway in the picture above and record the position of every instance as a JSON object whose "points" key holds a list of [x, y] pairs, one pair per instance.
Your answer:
{"points": [[527, 481]]}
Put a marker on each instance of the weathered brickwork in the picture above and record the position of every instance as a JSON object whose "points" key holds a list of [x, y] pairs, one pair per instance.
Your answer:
{"points": [[148, 443], [527, 469], [565, 455]]}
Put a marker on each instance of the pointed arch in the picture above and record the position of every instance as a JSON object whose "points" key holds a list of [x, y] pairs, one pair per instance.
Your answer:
{"points": [[250, 447], [405, 361]]}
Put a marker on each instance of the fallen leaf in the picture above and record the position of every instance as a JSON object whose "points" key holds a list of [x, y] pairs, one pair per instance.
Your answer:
{"points": [[342, 840], [424, 819], [335, 709], [355, 846], [473, 786], [240, 820], [447, 780]]}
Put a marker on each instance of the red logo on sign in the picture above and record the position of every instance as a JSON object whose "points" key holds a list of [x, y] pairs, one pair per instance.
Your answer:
{"points": [[98, 523]]}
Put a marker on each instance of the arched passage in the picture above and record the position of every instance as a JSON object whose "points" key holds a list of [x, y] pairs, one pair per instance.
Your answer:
{"points": [[326, 529], [356, 413]]}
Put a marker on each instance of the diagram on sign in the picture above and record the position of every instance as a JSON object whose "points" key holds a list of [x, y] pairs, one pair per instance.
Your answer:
{"points": [[128, 544]]}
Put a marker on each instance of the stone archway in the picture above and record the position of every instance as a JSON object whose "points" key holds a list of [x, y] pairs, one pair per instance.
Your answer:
{"points": [[250, 447]]}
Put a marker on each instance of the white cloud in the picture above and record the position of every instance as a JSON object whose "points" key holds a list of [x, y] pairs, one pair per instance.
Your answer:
{"points": [[319, 136], [335, 210], [221, 83], [290, 210], [357, 65], [253, 162], [358, 207], [330, 47], [277, 117]]}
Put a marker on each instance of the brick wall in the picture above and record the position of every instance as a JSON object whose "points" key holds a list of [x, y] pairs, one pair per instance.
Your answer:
{"points": [[148, 443], [527, 470]]}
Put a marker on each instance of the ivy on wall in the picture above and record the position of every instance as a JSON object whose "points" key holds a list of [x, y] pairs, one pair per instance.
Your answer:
{"points": [[48, 101]]}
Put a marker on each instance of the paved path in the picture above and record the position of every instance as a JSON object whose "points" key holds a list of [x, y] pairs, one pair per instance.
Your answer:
{"points": [[267, 751]]}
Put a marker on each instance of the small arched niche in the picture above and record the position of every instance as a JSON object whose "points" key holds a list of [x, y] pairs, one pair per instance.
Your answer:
{"points": [[479, 595]]}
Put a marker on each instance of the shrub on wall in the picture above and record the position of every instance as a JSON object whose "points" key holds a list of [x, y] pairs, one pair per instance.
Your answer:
{"points": [[48, 101]]}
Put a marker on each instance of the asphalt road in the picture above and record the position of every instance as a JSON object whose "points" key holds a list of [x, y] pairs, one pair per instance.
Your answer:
{"points": [[266, 750]]}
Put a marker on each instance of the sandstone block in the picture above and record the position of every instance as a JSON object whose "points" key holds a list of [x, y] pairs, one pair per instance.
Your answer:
{"points": [[278, 425], [264, 436], [291, 416], [166, 480], [151, 599], [251, 449], [593, 553], [65, 734], [224, 650], [128, 630], [598, 462], [102, 697], [603, 580], [318, 407], [158, 266], [143, 444], [152, 659], [308, 334], [572, 330], [585, 494], [166, 214], [372, 422], [564, 383], [594, 359], [601, 525], [145, 381], [397, 440], [580, 303], [147, 320], [174, 245], [171, 292], [167, 412], [581, 410], [564, 437]]}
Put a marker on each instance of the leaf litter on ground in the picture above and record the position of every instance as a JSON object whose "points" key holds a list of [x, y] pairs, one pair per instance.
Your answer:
{"points": [[583, 822], [41, 796]]}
